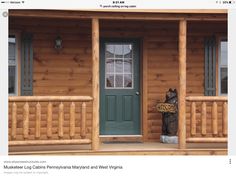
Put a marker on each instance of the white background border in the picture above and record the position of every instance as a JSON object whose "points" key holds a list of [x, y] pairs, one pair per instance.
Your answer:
{"points": [[3, 83], [144, 165], [232, 82]]}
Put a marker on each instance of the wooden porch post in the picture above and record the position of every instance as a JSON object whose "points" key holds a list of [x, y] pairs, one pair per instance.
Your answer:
{"points": [[182, 84], [95, 83]]}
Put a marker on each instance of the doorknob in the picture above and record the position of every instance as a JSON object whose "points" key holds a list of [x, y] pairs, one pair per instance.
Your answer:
{"points": [[137, 93]]}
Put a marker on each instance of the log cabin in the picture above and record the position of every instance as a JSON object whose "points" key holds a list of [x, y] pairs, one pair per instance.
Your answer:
{"points": [[87, 82]]}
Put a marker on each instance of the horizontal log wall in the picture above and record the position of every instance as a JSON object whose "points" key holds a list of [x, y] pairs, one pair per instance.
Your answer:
{"points": [[161, 39], [69, 72], [163, 66]]}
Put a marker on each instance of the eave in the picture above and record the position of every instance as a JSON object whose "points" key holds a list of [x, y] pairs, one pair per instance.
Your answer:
{"points": [[72, 14]]}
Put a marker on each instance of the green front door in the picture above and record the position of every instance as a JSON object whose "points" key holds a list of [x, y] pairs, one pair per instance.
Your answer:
{"points": [[119, 87]]}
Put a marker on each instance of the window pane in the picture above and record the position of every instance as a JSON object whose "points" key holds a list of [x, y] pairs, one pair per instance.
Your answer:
{"points": [[110, 66], [109, 51], [128, 66], [223, 53], [119, 80], [11, 79], [224, 80], [110, 81], [12, 50], [128, 80], [128, 51], [119, 66], [119, 51]]}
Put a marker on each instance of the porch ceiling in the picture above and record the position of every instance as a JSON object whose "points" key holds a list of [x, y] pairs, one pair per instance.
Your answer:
{"points": [[70, 14]]}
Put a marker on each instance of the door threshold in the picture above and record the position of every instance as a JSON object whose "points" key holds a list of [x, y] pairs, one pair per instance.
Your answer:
{"points": [[121, 138], [101, 136]]}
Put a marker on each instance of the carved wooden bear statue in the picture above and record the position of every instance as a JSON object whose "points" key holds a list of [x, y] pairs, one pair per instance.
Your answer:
{"points": [[170, 120]]}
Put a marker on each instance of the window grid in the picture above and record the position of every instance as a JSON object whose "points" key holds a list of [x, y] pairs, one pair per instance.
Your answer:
{"points": [[115, 73]]}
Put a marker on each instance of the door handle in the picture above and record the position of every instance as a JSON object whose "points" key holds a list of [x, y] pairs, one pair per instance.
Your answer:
{"points": [[137, 93]]}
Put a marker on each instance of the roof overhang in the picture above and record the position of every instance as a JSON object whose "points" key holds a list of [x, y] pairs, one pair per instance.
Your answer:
{"points": [[218, 15], [193, 11]]}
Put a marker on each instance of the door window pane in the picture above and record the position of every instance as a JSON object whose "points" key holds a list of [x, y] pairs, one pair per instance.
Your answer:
{"points": [[119, 65], [128, 66], [109, 81], [128, 51], [109, 51], [128, 80], [119, 81], [118, 51], [110, 66]]}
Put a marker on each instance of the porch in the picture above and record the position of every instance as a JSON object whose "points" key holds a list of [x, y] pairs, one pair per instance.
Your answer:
{"points": [[60, 125], [48, 118], [146, 148]]}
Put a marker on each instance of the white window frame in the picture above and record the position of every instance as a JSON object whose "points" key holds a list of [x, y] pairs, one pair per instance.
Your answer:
{"points": [[114, 73], [16, 65], [221, 66]]}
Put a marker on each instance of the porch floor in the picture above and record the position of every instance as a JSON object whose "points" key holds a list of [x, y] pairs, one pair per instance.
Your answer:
{"points": [[147, 148]]}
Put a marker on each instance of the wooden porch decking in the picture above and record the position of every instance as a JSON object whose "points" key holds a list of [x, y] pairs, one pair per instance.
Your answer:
{"points": [[147, 148]]}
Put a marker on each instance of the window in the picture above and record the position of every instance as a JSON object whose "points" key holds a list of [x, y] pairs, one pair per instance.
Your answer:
{"points": [[119, 66], [210, 66], [223, 67], [12, 66]]}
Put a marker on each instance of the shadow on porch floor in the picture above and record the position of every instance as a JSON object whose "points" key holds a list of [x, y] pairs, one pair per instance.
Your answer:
{"points": [[148, 148]]}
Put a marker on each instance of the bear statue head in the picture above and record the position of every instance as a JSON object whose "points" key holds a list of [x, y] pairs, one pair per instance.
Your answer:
{"points": [[171, 94]]}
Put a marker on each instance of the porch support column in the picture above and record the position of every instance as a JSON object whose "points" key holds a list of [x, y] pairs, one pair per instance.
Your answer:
{"points": [[182, 84], [95, 83]]}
